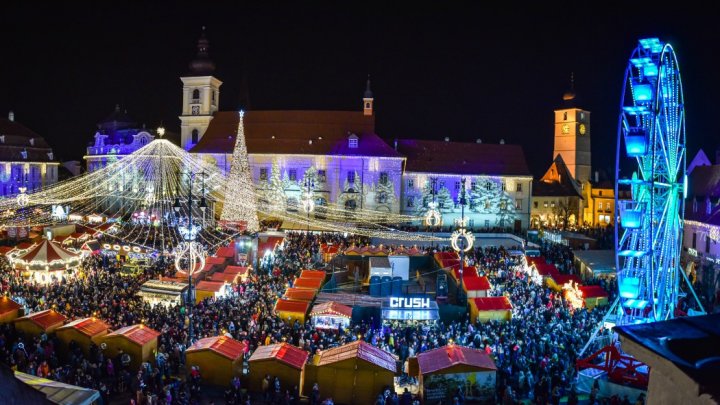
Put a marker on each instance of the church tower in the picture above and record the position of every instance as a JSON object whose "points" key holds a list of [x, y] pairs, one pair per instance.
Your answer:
{"points": [[201, 96], [572, 136], [368, 99]]}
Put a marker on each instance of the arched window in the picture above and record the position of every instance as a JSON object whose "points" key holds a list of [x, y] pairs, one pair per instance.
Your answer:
{"points": [[143, 140], [196, 95], [195, 135]]}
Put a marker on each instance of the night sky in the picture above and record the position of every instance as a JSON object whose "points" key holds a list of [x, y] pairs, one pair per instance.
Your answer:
{"points": [[463, 73]]}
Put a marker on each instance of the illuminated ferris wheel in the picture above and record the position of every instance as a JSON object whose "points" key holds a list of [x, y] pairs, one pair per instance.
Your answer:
{"points": [[648, 237]]}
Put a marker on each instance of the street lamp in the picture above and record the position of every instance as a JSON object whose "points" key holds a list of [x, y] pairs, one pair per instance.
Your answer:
{"points": [[161, 131], [462, 240], [308, 200]]}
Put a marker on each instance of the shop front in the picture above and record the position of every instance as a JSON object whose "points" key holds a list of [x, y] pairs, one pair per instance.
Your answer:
{"points": [[164, 292], [418, 307]]}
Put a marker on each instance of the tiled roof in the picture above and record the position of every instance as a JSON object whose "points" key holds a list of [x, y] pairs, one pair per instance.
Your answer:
{"points": [[224, 277], [299, 294], [213, 286], [463, 158], [235, 270], [453, 355], [226, 251], [292, 306], [477, 283], [45, 319], [332, 308], [492, 303], [222, 345], [557, 182], [87, 326], [214, 260], [313, 274], [295, 132], [360, 350], [139, 334], [283, 352], [15, 139], [308, 283], [8, 305]]}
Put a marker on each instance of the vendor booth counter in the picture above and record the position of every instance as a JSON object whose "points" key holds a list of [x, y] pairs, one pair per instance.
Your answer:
{"points": [[210, 289], [219, 358], [282, 360], [331, 315], [442, 371], [291, 311], [351, 374], [164, 292]]}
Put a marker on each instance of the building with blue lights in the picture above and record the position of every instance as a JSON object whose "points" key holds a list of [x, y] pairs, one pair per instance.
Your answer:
{"points": [[26, 159]]}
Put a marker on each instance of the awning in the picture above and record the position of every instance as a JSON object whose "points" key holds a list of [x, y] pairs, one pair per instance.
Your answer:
{"points": [[58, 392]]}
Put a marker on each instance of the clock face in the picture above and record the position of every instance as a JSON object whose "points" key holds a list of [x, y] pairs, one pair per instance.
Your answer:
{"points": [[566, 128], [196, 110], [582, 129]]}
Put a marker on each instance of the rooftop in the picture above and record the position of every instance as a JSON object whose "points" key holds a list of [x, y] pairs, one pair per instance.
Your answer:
{"points": [[360, 350], [214, 286], [222, 345], [493, 303], [453, 355], [8, 305], [332, 308], [45, 319], [139, 334], [87, 326], [292, 306], [20, 144], [283, 352]]}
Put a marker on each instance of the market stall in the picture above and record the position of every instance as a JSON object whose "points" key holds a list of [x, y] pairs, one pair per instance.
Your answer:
{"points": [[281, 360], [243, 272], [210, 289], [476, 286], [228, 278], [227, 252], [45, 261], [220, 358], [351, 374], [594, 296], [442, 371], [164, 292], [299, 294], [84, 332], [331, 315], [490, 309], [291, 311], [308, 283], [138, 341], [9, 310], [41, 322], [313, 274]]}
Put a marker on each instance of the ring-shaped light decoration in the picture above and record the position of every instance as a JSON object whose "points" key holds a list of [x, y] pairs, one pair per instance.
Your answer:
{"points": [[22, 199], [458, 236], [433, 218], [308, 205], [193, 252]]}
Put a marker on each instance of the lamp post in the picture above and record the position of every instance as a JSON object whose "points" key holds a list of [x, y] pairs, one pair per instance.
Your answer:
{"points": [[462, 240], [308, 201]]}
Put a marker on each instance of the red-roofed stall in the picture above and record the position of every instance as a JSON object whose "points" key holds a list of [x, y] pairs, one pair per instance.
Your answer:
{"points": [[331, 315], [282, 360], [9, 310], [299, 294], [442, 371], [351, 374], [490, 308], [84, 332], [210, 289], [220, 358], [242, 271], [594, 296], [476, 286], [290, 311], [139, 341], [308, 283], [229, 278], [313, 274], [41, 322], [227, 252]]}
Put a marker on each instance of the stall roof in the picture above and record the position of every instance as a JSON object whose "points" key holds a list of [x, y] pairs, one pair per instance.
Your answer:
{"points": [[283, 352], [224, 277], [139, 334], [87, 326], [453, 355], [546, 269], [222, 345], [593, 291], [382, 262], [226, 251], [300, 294], [168, 285], [292, 306], [235, 270], [8, 305], [308, 283], [361, 350], [313, 274], [477, 283], [214, 286], [468, 271], [492, 303], [44, 319], [60, 393], [332, 308], [597, 261], [214, 260]]}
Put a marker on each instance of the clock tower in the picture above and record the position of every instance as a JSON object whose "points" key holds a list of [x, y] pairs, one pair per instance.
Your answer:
{"points": [[572, 137], [201, 96]]}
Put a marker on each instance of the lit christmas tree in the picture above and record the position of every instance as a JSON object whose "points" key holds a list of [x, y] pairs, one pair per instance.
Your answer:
{"points": [[240, 206], [275, 192]]}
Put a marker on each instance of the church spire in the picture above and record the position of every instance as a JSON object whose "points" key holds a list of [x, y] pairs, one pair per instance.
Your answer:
{"points": [[570, 94], [368, 99], [202, 65]]}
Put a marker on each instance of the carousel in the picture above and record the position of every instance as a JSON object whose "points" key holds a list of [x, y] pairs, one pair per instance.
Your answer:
{"points": [[46, 261]]}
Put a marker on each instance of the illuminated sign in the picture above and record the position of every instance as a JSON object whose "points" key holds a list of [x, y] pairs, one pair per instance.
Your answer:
{"points": [[409, 303], [692, 252]]}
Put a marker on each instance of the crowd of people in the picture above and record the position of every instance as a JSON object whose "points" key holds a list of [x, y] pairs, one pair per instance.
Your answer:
{"points": [[535, 352]]}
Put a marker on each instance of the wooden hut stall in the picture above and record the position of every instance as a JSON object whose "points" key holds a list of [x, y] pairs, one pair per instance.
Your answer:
{"points": [[166, 292], [227, 278], [557, 281], [290, 311], [139, 341], [227, 252], [219, 358], [442, 371], [308, 283], [352, 374], [299, 294], [313, 274], [476, 287], [9, 310], [331, 315], [594, 296], [210, 289], [214, 263], [41, 322], [490, 308], [243, 272], [281, 360], [84, 332]]}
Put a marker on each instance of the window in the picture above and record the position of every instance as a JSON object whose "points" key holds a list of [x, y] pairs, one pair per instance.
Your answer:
{"points": [[707, 244], [351, 177], [503, 186], [487, 205], [383, 178], [292, 174], [472, 185], [518, 187], [694, 240], [535, 204], [600, 193], [353, 141], [545, 204], [487, 223], [411, 202], [599, 206], [518, 204], [471, 223], [263, 173], [367, 105], [322, 176], [552, 204], [196, 96], [565, 116], [195, 136], [442, 183], [457, 186], [582, 116], [488, 186], [410, 184]]}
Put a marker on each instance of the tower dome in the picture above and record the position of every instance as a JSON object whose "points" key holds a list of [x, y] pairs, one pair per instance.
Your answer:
{"points": [[202, 65]]}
